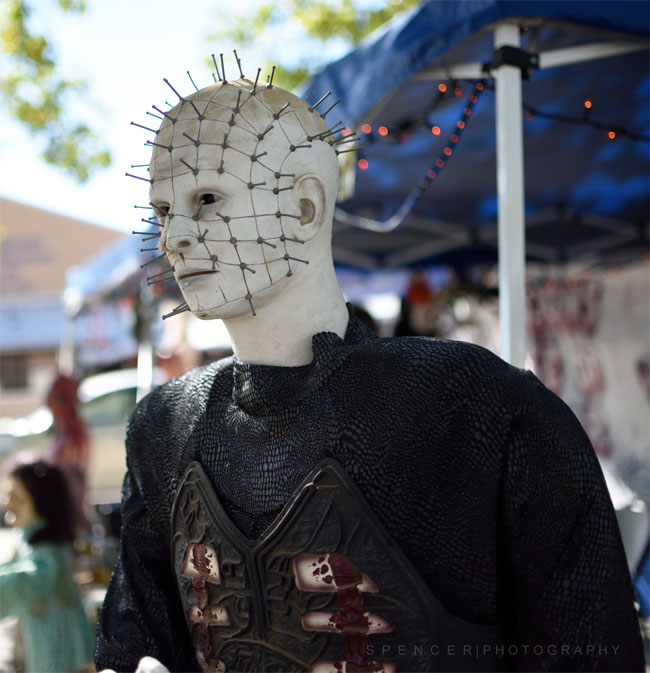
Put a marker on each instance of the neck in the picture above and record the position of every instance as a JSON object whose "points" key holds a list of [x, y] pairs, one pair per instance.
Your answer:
{"points": [[281, 332]]}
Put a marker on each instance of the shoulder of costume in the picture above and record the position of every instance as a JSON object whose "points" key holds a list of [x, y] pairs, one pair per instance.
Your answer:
{"points": [[159, 428], [510, 392], [166, 414], [458, 370], [195, 383], [440, 357]]}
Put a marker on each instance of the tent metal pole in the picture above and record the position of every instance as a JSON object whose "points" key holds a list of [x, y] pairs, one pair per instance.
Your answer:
{"points": [[145, 316], [547, 59], [510, 197]]}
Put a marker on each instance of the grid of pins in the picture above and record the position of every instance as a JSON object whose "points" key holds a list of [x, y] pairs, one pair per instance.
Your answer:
{"points": [[239, 126]]}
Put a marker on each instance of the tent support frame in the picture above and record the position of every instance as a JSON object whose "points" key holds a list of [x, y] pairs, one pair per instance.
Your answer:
{"points": [[510, 197], [510, 168], [547, 59]]}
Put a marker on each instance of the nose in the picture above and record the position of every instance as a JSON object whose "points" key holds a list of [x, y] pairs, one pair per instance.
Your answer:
{"points": [[176, 234]]}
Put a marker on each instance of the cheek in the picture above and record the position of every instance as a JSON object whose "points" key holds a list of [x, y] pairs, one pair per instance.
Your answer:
{"points": [[16, 505], [253, 251], [270, 228]]}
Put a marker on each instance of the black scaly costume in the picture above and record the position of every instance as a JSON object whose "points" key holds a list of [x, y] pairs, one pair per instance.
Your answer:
{"points": [[483, 477]]}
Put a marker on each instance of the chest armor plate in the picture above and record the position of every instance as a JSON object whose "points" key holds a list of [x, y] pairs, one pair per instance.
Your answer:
{"points": [[324, 589]]}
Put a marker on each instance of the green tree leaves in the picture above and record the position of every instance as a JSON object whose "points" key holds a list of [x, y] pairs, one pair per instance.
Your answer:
{"points": [[322, 22], [39, 99]]}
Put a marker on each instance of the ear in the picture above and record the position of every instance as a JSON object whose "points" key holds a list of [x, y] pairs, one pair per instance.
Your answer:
{"points": [[309, 192]]}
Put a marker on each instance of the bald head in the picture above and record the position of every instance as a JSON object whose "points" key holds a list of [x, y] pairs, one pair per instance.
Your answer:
{"points": [[244, 179], [226, 120]]}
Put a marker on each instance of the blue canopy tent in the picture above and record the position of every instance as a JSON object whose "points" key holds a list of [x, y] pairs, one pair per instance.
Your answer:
{"points": [[459, 103], [92, 304]]}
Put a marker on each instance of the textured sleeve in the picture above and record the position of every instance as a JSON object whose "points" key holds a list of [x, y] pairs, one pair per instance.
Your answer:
{"points": [[26, 582], [142, 614], [572, 598]]}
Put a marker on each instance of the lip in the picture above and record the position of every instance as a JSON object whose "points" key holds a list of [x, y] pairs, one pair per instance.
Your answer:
{"points": [[193, 274]]}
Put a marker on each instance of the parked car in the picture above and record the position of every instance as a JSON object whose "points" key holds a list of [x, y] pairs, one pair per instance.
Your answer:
{"points": [[105, 402]]}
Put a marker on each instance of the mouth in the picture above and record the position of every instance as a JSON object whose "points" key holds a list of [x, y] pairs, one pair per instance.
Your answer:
{"points": [[196, 273]]}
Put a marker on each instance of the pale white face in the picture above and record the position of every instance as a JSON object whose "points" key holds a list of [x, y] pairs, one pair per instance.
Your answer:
{"points": [[223, 176]]}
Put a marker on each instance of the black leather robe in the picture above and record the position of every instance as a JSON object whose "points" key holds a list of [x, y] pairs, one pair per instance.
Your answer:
{"points": [[482, 476]]}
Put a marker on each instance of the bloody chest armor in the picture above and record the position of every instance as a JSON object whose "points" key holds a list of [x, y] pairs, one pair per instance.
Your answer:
{"points": [[323, 589]]}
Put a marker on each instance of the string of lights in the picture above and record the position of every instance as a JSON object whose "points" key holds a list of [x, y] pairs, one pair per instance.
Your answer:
{"points": [[401, 133], [432, 171], [585, 119], [440, 162]]}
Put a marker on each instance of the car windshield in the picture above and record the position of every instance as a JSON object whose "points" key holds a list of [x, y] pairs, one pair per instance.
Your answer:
{"points": [[114, 407]]}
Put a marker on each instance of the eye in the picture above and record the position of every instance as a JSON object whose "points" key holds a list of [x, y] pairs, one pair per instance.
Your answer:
{"points": [[161, 211], [207, 199]]}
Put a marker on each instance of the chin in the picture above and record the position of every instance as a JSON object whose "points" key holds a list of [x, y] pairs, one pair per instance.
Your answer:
{"points": [[233, 309]]}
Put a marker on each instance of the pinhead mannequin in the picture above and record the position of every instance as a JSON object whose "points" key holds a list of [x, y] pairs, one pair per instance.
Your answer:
{"points": [[225, 459], [244, 181]]}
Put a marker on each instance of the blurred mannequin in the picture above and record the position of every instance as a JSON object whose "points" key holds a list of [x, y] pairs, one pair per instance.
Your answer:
{"points": [[37, 584], [70, 443]]}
